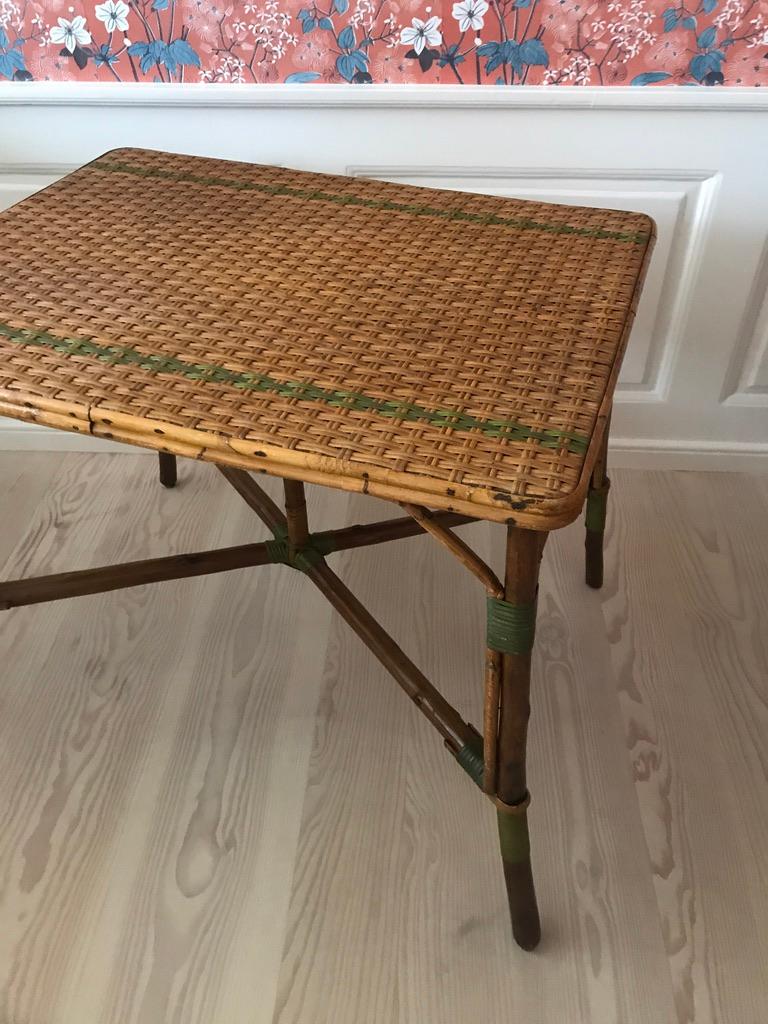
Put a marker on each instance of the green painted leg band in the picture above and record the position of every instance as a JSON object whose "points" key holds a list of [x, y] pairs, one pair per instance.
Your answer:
{"points": [[513, 837], [597, 508], [511, 627], [470, 757]]}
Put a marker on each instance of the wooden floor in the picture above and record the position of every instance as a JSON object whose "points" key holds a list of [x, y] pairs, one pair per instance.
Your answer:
{"points": [[215, 807]]}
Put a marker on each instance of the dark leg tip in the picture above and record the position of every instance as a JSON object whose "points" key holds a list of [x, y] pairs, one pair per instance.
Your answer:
{"points": [[594, 561], [527, 941], [168, 475], [523, 909]]}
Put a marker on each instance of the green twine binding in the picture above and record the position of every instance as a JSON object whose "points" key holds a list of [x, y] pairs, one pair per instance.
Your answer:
{"points": [[470, 757], [311, 553], [597, 508], [511, 627]]}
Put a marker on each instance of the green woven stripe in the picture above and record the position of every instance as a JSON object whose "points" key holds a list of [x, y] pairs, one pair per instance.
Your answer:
{"points": [[511, 627], [597, 507], [513, 837], [417, 210], [115, 355]]}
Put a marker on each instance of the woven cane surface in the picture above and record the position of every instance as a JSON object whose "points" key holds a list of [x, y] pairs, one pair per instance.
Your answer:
{"points": [[447, 345]]}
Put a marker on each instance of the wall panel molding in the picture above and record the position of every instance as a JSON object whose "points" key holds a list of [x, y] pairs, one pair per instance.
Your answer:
{"points": [[562, 97], [747, 382]]}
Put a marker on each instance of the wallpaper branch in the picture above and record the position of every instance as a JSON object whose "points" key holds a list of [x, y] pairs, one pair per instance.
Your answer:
{"points": [[488, 42]]}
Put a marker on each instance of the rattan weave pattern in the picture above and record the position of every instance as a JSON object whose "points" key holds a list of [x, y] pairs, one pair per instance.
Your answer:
{"points": [[454, 349]]}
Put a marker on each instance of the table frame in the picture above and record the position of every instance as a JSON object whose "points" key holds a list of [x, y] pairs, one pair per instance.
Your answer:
{"points": [[495, 759]]}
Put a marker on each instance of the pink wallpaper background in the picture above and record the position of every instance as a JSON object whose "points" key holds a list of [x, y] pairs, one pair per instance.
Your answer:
{"points": [[492, 42]]}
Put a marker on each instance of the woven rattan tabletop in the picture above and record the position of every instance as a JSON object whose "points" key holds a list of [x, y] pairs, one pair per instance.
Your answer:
{"points": [[451, 350]]}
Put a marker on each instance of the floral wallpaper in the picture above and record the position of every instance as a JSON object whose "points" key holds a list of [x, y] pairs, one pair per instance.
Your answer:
{"points": [[491, 42]]}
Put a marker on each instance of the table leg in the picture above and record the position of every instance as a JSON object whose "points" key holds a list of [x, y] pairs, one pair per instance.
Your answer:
{"points": [[524, 549], [296, 515], [597, 509], [167, 469]]}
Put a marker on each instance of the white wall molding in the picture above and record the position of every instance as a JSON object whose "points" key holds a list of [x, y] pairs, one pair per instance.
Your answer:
{"points": [[142, 94]]}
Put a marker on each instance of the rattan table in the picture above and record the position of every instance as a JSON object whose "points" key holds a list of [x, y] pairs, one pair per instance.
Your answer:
{"points": [[456, 354]]}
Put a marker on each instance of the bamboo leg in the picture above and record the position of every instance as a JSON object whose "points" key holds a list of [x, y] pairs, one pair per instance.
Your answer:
{"points": [[597, 508], [522, 571], [167, 469], [296, 515], [254, 497]]}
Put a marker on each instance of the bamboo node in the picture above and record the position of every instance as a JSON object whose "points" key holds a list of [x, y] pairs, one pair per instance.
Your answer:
{"points": [[517, 808]]}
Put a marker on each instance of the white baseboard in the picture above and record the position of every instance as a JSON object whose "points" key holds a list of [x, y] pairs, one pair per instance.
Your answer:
{"points": [[717, 456], [633, 453]]}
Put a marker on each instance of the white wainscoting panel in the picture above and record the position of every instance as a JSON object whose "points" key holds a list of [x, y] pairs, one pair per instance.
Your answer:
{"points": [[748, 380], [694, 387]]}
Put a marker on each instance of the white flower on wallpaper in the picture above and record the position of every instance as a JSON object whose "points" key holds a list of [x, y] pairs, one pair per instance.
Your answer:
{"points": [[114, 14], [469, 14], [422, 33], [71, 34]]}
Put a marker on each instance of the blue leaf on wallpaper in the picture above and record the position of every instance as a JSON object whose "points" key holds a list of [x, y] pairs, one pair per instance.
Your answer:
{"points": [[345, 67], [509, 51], [689, 23], [308, 24], [300, 77], [649, 77], [708, 6], [703, 63], [326, 23], [522, 3], [532, 51], [182, 52], [160, 5], [359, 59], [342, 6], [10, 63], [346, 38], [670, 19], [3, 38], [707, 37], [488, 49], [149, 54]]}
